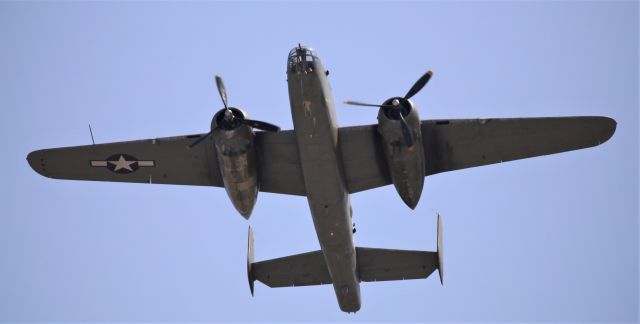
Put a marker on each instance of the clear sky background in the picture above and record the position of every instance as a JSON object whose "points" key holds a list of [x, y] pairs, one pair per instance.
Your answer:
{"points": [[553, 238]]}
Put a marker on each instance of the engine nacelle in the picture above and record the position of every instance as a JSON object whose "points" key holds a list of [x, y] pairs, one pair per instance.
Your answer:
{"points": [[406, 164], [236, 160]]}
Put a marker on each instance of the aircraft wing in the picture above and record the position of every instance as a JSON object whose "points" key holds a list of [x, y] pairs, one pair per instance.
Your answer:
{"points": [[448, 145], [464, 143], [168, 161]]}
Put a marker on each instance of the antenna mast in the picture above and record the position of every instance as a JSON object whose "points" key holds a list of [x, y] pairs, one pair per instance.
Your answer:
{"points": [[91, 132]]}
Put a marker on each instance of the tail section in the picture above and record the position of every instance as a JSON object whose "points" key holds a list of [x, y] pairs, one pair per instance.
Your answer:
{"points": [[373, 265]]}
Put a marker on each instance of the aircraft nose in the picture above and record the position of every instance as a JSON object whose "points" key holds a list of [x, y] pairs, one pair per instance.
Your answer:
{"points": [[301, 57]]}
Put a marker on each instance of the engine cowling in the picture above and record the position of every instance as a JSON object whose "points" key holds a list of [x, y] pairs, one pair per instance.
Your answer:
{"points": [[233, 142], [406, 163]]}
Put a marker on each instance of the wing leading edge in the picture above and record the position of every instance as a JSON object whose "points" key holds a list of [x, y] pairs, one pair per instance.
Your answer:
{"points": [[464, 143]]}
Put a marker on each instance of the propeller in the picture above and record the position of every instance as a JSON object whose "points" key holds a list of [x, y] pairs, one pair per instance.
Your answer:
{"points": [[196, 142], [222, 90], [397, 107], [419, 85], [230, 119], [357, 103]]}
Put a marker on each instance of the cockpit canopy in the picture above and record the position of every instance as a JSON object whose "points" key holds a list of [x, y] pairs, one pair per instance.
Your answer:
{"points": [[301, 57]]}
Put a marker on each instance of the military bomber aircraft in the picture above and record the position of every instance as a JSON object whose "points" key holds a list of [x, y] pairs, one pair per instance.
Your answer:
{"points": [[325, 163]]}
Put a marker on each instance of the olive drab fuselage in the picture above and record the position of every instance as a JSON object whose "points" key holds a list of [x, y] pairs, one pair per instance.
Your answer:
{"points": [[316, 129]]}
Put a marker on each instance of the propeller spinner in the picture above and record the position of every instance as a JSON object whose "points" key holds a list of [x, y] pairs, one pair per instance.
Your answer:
{"points": [[231, 120], [397, 105]]}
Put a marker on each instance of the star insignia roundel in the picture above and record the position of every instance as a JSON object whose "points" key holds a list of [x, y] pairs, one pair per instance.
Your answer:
{"points": [[122, 163]]}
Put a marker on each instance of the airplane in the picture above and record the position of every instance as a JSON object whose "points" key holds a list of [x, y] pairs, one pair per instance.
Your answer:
{"points": [[326, 163]]}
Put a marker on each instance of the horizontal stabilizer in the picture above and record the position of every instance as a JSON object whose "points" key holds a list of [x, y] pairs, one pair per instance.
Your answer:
{"points": [[385, 264], [309, 268], [296, 270], [373, 265]]}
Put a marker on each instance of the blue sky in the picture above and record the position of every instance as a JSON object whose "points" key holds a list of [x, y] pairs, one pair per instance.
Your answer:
{"points": [[553, 238]]}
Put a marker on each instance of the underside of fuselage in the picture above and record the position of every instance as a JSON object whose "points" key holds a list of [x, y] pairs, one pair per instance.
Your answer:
{"points": [[316, 130]]}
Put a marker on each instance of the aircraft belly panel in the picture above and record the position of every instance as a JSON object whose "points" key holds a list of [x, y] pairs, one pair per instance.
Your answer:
{"points": [[316, 132]]}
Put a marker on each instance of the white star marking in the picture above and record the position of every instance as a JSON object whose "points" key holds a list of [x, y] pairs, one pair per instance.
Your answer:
{"points": [[122, 164]]}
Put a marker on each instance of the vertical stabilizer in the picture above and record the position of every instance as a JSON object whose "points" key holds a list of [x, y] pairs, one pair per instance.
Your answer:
{"points": [[439, 251], [250, 275]]}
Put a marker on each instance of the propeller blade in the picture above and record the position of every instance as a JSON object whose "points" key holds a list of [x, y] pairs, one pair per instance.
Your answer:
{"points": [[406, 132], [196, 142], [356, 103], [419, 85], [261, 125], [222, 90]]}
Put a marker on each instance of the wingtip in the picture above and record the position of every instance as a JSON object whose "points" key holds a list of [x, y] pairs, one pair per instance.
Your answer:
{"points": [[37, 162], [609, 126]]}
